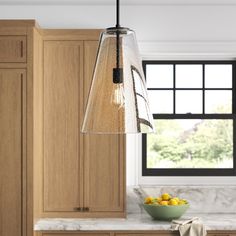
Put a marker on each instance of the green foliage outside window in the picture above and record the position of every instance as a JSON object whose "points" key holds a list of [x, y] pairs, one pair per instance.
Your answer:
{"points": [[208, 144]]}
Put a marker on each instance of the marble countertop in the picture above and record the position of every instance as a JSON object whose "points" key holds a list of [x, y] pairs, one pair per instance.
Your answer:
{"points": [[133, 222]]}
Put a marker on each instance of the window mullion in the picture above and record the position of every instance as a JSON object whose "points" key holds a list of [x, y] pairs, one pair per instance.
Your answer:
{"points": [[203, 88], [234, 87], [234, 112], [174, 89]]}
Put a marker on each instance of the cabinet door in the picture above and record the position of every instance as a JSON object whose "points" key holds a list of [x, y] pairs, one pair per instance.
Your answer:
{"points": [[137, 233], [62, 169], [103, 156], [221, 233], [12, 90], [12, 49], [75, 234]]}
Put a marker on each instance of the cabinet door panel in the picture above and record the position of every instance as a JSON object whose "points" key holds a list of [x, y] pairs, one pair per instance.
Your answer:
{"points": [[11, 150], [12, 49], [103, 156], [221, 233], [76, 234], [62, 168], [167, 233]]}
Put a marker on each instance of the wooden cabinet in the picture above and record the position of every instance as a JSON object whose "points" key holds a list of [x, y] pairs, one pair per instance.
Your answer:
{"points": [[48, 168], [131, 233], [160, 233], [12, 150], [103, 156], [174, 233], [72, 234], [82, 175], [16, 127], [221, 233], [62, 75], [12, 48], [77, 234]]}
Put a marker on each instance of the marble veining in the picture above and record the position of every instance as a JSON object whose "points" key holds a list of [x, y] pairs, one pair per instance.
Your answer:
{"points": [[134, 222], [214, 205], [202, 199]]}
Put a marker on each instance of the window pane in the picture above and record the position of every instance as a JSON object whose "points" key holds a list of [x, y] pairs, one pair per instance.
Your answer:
{"points": [[218, 101], [191, 144], [218, 76], [159, 76], [161, 101], [188, 76], [189, 101]]}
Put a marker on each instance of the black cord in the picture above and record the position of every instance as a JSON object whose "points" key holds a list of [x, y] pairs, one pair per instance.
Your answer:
{"points": [[117, 13], [117, 34], [117, 49], [117, 72]]}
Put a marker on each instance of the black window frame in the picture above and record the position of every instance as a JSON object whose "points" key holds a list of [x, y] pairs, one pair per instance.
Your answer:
{"points": [[232, 116]]}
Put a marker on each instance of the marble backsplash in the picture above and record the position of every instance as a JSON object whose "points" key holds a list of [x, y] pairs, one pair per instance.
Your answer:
{"points": [[202, 199]]}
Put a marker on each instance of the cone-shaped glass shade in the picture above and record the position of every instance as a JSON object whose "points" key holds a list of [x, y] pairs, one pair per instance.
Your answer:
{"points": [[118, 107]]}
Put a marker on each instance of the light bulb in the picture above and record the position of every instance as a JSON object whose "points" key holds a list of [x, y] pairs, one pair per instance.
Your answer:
{"points": [[117, 97]]}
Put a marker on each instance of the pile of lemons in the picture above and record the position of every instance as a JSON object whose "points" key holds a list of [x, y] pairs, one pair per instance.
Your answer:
{"points": [[164, 200]]}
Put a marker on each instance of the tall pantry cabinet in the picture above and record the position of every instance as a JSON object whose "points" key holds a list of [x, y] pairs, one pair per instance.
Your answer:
{"points": [[16, 127]]}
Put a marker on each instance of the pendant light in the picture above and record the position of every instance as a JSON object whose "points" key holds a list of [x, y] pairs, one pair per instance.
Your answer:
{"points": [[118, 101]]}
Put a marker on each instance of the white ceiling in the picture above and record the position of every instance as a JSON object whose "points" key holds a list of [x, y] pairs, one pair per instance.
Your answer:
{"points": [[164, 28], [123, 2]]}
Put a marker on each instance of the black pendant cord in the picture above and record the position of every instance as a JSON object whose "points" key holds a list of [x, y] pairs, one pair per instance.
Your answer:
{"points": [[117, 50], [117, 72], [117, 34], [117, 13]]}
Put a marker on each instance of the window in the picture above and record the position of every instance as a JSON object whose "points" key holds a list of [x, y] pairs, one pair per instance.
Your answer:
{"points": [[193, 105]]}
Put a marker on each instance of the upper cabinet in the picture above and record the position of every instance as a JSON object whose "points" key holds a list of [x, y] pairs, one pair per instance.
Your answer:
{"points": [[12, 48], [63, 70], [103, 156], [82, 175]]}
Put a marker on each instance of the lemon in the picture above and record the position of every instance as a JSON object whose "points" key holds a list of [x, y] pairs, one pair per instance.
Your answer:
{"points": [[165, 196], [181, 202], [159, 199], [173, 202], [148, 200], [176, 199], [164, 203], [156, 203]]}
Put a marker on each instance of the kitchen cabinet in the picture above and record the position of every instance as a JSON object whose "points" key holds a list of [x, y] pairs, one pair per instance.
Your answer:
{"points": [[16, 126], [103, 156], [78, 234], [132, 233], [12, 48], [48, 168], [176, 233], [161, 233], [62, 167], [12, 149], [82, 175], [222, 233], [73, 234]]}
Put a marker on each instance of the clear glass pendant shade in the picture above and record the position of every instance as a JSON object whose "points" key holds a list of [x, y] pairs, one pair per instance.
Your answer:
{"points": [[118, 107]]}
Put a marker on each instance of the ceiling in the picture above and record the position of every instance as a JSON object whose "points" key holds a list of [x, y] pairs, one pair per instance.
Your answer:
{"points": [[123, 2]]}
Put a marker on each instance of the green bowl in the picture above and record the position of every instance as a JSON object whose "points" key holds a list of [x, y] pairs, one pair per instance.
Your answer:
{"points": [[168, 213]]}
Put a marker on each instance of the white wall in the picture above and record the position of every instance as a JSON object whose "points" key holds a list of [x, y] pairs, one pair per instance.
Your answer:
{"points": [[166, 29]]}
